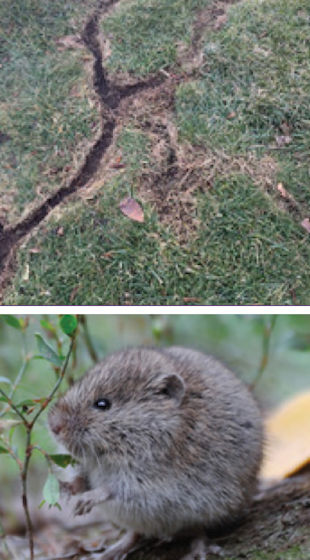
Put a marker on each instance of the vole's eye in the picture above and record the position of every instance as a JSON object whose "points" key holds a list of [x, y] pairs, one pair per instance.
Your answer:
{"points": [[103, 404]]}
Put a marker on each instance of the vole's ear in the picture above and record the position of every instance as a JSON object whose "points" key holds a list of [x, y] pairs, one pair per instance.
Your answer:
{"points": [[173, 386]]}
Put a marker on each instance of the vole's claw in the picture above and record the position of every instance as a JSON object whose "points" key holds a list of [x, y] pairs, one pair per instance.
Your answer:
{"points": [[83, 506]]}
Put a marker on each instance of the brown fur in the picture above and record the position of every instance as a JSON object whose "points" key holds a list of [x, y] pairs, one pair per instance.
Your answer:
{"points": [[179, 448]]}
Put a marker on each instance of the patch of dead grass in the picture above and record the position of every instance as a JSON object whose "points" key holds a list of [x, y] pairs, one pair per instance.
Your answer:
{"points": [[178, 171], [173, 193]]}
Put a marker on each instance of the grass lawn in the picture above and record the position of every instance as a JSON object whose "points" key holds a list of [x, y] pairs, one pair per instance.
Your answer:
{"points": [[217, 154], [47, 109]]}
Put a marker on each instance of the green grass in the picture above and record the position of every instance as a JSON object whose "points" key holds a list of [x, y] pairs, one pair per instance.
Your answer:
{"points": [[252, 87], [240, 256], [134, 147], [294, 552], [145, 33], [257, 68], [46, 109]]}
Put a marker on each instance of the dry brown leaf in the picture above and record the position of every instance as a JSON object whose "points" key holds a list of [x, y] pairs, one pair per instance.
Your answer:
{"points": [[132, 209], [60, 231], [282, 190], [306, 224], [34, 250], [288, 438], [232, 115]]}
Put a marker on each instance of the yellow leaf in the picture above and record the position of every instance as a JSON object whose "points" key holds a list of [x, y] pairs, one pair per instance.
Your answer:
{"points": [[288, 438]]}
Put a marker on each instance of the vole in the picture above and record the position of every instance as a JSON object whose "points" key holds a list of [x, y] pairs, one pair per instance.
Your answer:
{"points": [[168, 441]]}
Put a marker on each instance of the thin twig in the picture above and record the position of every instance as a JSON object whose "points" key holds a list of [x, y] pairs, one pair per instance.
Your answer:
{"points": [[24, 490], [12, 405], [54, 390], [268, 328], [15, 384], [29, 448], [89, 345]]}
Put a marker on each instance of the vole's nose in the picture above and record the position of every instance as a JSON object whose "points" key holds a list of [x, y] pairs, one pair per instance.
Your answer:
{"points": [[56, 424], [56, 428]]}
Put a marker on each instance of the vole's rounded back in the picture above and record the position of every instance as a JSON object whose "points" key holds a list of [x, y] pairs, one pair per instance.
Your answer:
{"points": [[174, 435]]}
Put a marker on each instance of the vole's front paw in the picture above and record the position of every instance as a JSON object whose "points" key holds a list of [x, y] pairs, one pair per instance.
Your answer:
{"points": [[83, 506], [201, 548]]}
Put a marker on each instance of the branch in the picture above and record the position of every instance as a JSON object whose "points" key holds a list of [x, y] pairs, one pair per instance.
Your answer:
{"points": [[54, 390], [12, 405], [29, 448]]}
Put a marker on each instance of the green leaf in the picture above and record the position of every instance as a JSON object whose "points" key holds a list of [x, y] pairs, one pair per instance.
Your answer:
{"points": [[62, 459], [12, 321], [47, 326], [47, 352], [51, 489], [3, 450], [5, 380], [68, 324]]}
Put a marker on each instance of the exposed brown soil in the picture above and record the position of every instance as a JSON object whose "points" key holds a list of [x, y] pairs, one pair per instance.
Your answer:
{"points": [[213, 17]]}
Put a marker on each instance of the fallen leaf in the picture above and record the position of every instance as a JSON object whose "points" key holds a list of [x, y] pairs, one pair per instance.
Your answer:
{"points": [[60, 231], [232, 115], [34, 250], [132, 209], [283, 192], [288, 438], [191, 299], [306, 224]]}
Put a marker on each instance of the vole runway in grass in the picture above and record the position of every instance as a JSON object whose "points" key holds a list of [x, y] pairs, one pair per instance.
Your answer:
{"points": [[168, 441]]}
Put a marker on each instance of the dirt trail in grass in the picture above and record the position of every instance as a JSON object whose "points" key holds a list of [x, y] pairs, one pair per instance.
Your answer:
{"points": [[188, 124], [110, 96]]}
